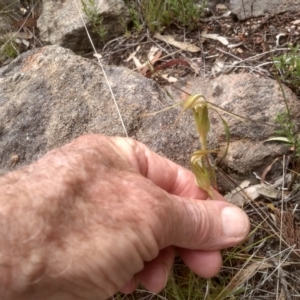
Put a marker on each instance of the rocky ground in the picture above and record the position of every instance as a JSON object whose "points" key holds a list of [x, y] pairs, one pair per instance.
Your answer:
{"points": [[49, 96], [246, 46]]}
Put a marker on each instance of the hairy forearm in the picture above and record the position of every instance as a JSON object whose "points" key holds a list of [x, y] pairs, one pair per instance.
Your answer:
{"points": [[40, 209], [56, 223], [30, 212]]}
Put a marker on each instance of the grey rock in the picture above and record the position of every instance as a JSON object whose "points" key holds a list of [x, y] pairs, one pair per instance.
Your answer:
{"points": [[253, 8], [61, 22], [50, 96]]}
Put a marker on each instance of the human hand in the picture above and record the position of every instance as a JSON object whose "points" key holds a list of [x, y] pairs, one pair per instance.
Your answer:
{"points": [[103, 214]]}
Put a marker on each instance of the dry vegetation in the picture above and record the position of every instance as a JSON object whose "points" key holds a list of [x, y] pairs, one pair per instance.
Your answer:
{"points": [[266, 265]]}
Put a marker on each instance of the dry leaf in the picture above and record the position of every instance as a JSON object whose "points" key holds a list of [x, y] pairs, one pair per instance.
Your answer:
{"points": [[266, 171], [214, 36], [234, 45], [29, 23], [153, 50], [152, 61], [295, 22], [269, 191], [130, 57], [194, 65], [172, 62], [247, 273], [137, 63], [252, 192], [152, 56], [236, 196], [217, 67], [181, 45], [26, 43], [27, 35], [169, 78]]}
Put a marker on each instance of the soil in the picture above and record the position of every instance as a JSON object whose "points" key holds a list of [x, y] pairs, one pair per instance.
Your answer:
{"points": [[252, 45]]}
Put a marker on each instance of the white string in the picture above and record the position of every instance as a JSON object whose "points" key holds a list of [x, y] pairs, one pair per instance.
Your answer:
{"points": [[100, 64]]}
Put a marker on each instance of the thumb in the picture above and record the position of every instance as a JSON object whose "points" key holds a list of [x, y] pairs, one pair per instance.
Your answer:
{"points": [[205, 225]]}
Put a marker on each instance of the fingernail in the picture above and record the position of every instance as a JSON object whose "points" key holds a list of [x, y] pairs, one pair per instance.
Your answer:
{"points": [[235, 222]]}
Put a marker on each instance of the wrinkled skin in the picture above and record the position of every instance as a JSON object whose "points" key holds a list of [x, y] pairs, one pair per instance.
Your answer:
{"points": [[101, 215]]}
